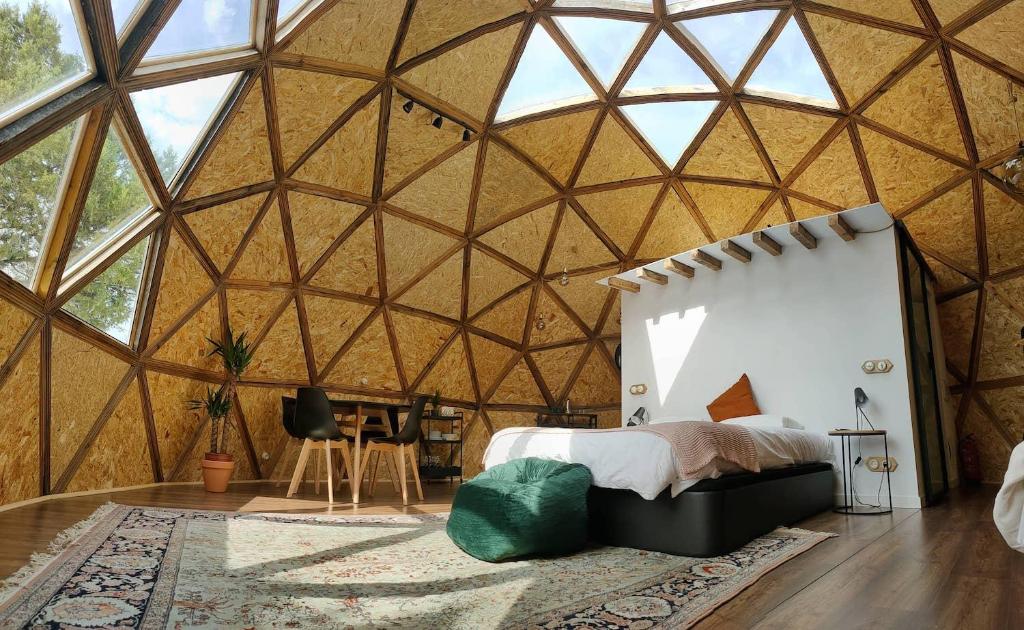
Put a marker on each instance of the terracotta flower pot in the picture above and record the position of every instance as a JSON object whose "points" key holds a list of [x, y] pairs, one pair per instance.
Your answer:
{"points": [[217, 469]]}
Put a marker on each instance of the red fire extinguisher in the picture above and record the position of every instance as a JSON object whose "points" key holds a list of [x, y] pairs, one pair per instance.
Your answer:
{"points": [[970, 461]]}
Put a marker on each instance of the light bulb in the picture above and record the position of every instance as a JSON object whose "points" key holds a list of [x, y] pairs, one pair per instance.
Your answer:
{"points": [[564, 278]]}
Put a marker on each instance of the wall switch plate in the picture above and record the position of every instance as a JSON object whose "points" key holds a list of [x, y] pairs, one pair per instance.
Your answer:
{"points": [[876, 366], [878, 464], [638, 389]]}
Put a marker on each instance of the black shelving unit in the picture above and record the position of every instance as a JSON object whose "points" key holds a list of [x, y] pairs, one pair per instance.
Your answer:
{"points": [[445, 450]]}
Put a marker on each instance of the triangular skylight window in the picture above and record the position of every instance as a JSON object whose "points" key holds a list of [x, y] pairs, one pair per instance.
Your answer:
{"points": [[670, 127], [116, 199], [729, 38], [285, 8], [200, 26], [667, 68], [629, 5], [109, 302], [603, 44], [125, 12], [789, 70], [175, 117], [47, 56], [32, 185], [544, 79]]}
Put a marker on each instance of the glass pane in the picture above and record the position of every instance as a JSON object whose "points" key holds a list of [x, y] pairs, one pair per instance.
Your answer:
{"points": [[285, 8], [174, 117], [116, 197], [543, 79], [789, 68], [108, 302], [31, 187], [199, 25], [729, 38], [604, 44], [40, 51], [123, 10], [670, 127], [667, 68], [628, 5]]}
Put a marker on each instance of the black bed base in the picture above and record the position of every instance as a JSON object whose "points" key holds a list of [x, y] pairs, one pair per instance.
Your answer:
{"points": [[713, 517]]}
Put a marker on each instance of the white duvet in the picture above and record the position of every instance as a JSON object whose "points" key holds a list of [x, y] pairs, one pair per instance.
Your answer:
{"points": [[644, 462]]}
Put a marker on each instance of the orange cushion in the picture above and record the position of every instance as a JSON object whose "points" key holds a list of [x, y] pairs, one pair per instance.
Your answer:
{"points": [[735, 402]]}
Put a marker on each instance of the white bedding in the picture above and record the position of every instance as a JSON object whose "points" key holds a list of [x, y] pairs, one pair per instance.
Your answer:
{"points": [[644, 462]]}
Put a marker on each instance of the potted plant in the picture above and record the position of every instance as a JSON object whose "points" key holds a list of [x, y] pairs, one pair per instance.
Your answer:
{"points": [[435, 401], [218, 464]]}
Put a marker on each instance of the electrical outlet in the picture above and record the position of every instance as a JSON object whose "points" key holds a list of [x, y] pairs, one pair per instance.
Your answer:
{"points": [[876, 366], [878, 464]]}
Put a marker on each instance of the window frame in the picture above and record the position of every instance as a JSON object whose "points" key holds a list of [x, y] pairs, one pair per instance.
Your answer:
{"points": [[149, 65]]}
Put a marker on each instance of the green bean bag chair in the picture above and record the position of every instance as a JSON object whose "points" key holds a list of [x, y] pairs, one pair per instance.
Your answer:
{"points": [[524, 507]]}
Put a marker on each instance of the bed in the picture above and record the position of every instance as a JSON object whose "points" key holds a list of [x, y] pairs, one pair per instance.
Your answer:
{"points": [[644, 497]]}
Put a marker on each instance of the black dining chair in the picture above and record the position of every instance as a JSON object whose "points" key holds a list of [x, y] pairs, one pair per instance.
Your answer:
{"points": [[398, 448], [310, 418]]}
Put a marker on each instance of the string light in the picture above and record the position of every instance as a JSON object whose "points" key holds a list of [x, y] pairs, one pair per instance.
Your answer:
{"points": [[407, 107]]}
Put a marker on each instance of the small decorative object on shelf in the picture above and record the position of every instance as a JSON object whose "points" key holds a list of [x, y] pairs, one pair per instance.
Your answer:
{"points": [[441, 446], [435, 402]]}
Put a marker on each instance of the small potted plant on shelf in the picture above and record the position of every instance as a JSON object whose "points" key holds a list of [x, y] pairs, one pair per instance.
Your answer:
{"points": [[435, 401], [218, 464]]}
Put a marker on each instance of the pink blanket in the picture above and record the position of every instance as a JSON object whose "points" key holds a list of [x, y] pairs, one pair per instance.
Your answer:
{"points": [[698, 444]]}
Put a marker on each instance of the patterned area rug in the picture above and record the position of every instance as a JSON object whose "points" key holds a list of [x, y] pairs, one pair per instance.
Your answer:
{"points": [[165, 568]]}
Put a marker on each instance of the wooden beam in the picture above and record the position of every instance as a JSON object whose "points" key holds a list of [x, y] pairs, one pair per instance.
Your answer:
{"points": [[805, 238], [651, 276], [739, 253], [706, 259], [671, 264], [623, 285], [767, 243], [841, 227]]}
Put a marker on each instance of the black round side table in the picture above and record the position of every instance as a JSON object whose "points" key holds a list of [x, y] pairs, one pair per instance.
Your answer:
{"points": [[849, 500]]}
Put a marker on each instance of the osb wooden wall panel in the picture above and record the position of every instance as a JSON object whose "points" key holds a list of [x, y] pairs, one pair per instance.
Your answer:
{"points": [[368, 363], [890, 162], [558, 326], [419, 340], [280, 354], [613, 321], [189, 345], [949, 10], [620, 212], [524, 238], [250, 310], [896, 11], [76, 401], [615, 157], [413, 140], [597, 383], [834, 176], [242, 154], [930, 226], [518, 387], [490, 359], [298, 123], [263, 415], [787, 135], [119, 456], [489, 279], [331, 323], [316, 223], [554, 143], [998, 34], [776, 215], [220, 229], [1008, 405], [468, 76], [437, 21], [507, 419], [358, 32], [410, 247], [804, 210], [19, 428], [1004, 223], [844, 44], [987, 98], [992, 448], [1000, 356], [16, 323], [353, 266], [507, 185], [182, 283], [956, 318], [726, 208], [440, 291], [175, 423], [474, 443], [674, 230], [450, 375], [265, 256], [557, 365], [727, 152], [583, 295], [345, 161], [442, 194], [577, 246], [506, 318]]}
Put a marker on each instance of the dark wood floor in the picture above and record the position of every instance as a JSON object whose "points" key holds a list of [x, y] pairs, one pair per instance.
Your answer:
{"points": [[942, 567]]}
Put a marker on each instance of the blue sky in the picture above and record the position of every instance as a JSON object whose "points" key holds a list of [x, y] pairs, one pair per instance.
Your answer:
{"points": [[204, 25], [730, 38], [544, 75], [667, 68], [670, 127], [789, 66], [603, 43]]}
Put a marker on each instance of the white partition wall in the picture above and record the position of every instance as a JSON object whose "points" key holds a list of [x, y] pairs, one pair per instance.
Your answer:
{"points": [[799, 324]]}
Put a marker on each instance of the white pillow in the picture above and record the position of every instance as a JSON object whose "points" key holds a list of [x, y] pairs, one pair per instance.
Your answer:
{"points": [[765, 420]]}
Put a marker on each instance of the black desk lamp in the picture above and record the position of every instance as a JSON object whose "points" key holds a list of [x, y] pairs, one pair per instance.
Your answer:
{"points": [[859, 400]]}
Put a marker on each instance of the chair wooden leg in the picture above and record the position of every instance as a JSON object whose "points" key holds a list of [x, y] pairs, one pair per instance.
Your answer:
{"points": [[401, 474], [415, 472], [363, 463], [300, 468], [392, 473], [346, 461], [373, 475], [316, 475], [330, 472]]}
